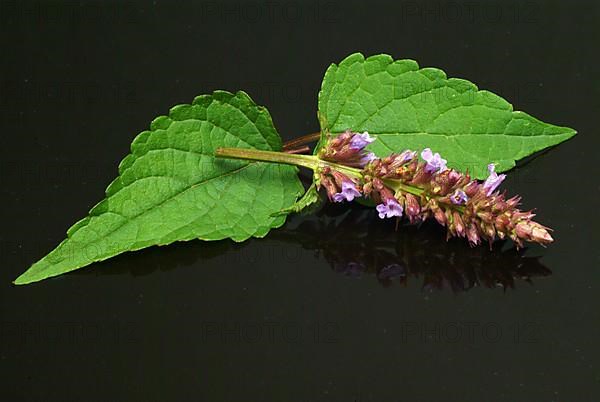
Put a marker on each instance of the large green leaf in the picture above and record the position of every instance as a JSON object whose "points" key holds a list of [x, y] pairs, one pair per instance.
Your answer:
{"points": [[172, 188], [410, 108]]}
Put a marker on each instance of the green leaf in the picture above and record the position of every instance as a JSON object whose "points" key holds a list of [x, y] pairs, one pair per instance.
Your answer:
{"points": [[307, 203], [405, 107], [171, 187]]}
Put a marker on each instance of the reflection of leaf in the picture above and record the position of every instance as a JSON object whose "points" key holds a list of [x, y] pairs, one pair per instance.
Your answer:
{"points": [[171, 188], [407, 107]]}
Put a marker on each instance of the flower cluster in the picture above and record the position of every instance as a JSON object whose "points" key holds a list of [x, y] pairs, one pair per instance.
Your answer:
{"points": [[339, 186], [402, 184], [348, 149]]}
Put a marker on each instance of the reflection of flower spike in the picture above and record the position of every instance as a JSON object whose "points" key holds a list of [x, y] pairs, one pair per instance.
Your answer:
{"points": [[391, 271], [354, 249]]}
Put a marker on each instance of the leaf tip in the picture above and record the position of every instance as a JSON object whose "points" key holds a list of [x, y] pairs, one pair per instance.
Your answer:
{"points": [[23, 279], [35, 273]]}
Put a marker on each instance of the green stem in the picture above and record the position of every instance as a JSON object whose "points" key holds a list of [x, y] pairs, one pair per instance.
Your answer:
{"points": [[397, 185], [308, 161]]}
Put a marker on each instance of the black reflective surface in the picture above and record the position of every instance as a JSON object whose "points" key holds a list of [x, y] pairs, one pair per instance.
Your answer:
{"points": [[333, 306]]}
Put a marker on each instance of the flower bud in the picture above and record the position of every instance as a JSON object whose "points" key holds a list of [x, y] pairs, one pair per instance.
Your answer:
{"points": [[396, 161], [471, 189], [459, 226], [329, 185], [533, 231], [489, 231], [412, 207], [440, 216], [513, 202], [473, 235]]}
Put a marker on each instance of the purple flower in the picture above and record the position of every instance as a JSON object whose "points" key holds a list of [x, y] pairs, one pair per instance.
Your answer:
{"points": [[493, 180], [458, 197], [348, 193], [396, 161], [366, 159], [405, 156], [390, 208], [359, 141], [435, 163]]}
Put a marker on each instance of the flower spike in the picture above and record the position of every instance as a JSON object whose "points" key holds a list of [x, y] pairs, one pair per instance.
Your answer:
{"points": [[400, 185]]}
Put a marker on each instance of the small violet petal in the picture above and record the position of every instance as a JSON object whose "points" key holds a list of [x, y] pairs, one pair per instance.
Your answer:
{"points": [[406, 156], [390, 208], [368, 158], [493, 180], [402, 158], [459, 197], [426, 154], [381, 208], [435, 163], [359, 141], [349, 188], [348, 193], [339, 197]]}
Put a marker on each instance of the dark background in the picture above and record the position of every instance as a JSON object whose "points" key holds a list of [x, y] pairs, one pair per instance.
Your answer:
{"points": [[286, 317]]}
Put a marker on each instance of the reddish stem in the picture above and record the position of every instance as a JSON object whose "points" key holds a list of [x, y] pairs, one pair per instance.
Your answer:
{"points": [[301, 150], [305, 139]]}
